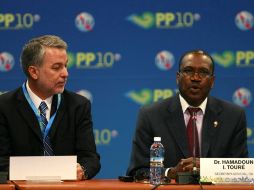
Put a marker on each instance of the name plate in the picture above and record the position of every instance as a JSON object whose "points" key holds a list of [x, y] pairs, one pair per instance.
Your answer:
{"points": [[227, 170]]}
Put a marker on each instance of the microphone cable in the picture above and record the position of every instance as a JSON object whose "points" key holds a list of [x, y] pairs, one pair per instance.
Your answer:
{"points": [[200, 185]]}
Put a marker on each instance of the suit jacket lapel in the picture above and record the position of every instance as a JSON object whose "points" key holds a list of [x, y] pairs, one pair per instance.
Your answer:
{"points": [[176, 125], [210, 127], [58, 118], [28, 114]]}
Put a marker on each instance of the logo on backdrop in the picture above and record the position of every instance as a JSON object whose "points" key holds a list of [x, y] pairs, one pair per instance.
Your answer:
{"points": [[104, 136], [101, 136], [18, 21], [242, 97], [6, 61], [250, 135], [92, 60], [164, 20], [2, 92], [164, 60], [244, 20], [147, 96], [84, 22], [86, 94], [238, 58]]}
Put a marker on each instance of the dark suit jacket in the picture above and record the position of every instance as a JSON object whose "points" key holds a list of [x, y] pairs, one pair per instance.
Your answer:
{"points": [[71, 132], [165, 119]]}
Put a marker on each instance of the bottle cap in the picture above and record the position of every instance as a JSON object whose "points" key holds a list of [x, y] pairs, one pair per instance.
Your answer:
{"points": [[157, 138]]}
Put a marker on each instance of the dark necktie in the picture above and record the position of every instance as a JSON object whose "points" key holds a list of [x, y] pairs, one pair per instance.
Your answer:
{"points": [[193, 133], [46, 141]]}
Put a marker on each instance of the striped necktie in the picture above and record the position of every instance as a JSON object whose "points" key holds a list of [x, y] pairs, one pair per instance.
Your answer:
{"points": [[47, 149]]}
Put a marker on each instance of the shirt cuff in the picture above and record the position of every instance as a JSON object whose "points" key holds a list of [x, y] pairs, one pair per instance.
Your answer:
{"points": [[166, 171]]}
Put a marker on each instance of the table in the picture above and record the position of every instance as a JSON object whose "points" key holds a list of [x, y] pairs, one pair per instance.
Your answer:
{"points": [[114, 184], [7, 186]]}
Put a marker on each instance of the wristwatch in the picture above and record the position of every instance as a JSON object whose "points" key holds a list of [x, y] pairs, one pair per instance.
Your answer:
{"points": [[166, 171], [170, 172]]}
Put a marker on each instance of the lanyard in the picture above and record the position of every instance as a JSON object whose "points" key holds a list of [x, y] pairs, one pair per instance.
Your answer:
{"points": [[37, 112]]}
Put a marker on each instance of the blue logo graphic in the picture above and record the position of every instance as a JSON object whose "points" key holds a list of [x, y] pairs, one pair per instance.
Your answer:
{"points": [[142, 97], [224, 59], [86, 94], [147, 96], [84, 22], [244, 20], [250, 135], [164, 20], [146, 20], [240, 58], [2, 92], [18, 21], [242, 97], [104, 136], [6, 61], [164, 60], [93, 60]]}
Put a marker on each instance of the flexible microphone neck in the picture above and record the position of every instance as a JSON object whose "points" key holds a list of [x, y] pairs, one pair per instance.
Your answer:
{"points": [[195, 172], [191, 177]]}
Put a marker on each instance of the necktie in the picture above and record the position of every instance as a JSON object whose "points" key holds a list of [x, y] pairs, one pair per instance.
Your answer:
{"points": [[193, 133], [43, 124]]}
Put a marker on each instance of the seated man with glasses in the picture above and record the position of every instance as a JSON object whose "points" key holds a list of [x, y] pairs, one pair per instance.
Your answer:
{"points": [[219, 130]]}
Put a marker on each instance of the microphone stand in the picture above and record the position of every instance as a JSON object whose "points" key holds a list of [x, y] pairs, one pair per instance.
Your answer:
{"points": [[193, 176], [195, 172]]}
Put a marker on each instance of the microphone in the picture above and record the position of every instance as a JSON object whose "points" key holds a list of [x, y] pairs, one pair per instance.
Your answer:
{"points": [[193, 176], [195, 173]]}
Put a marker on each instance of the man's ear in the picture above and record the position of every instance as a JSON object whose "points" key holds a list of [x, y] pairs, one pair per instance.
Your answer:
{"points": [[33, 72]]}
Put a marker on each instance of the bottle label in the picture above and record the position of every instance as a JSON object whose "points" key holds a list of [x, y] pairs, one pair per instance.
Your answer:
{"points": [[156, 159], [156, 164]]}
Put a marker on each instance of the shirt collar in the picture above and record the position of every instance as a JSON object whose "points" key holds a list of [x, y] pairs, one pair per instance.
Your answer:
{"points": [[185, 104], [36, 100]]}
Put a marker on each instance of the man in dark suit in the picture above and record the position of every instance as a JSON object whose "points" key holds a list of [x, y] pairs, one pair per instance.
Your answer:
{"points": [[221, 126], [62, 127]]}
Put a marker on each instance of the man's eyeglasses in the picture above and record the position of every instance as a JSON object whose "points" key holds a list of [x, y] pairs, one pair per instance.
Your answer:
{"points": [[190, 73]]}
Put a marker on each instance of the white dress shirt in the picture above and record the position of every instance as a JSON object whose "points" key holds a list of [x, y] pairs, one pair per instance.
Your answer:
{"points": [[37, 100]]}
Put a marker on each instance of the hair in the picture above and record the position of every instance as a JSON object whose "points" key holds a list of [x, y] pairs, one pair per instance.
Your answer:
{"points": [[33, 52], [200, 52]]}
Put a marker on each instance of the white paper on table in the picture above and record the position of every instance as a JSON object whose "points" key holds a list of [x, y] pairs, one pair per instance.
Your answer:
{"points": [[43, 167]]}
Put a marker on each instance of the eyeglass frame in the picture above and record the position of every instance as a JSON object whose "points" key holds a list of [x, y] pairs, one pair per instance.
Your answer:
{"points": [[191, 73]]}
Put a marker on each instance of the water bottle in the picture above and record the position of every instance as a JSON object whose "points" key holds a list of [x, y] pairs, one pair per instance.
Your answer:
{"points": [[156, 162]]}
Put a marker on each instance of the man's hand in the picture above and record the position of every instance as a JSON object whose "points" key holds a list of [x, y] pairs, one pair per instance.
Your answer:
{"points": [[184, 165], [80, 172], [189, 163]]}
